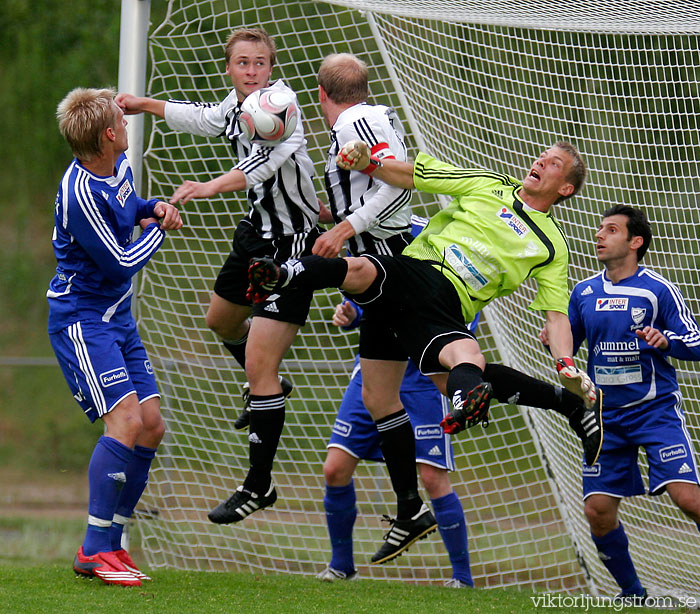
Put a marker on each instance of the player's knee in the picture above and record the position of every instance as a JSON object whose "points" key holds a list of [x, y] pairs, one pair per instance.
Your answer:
{"points": [[153, 432], [688, 501], [336, 474], [224, 328], [601, 517], [360, 275], [435, 480]]}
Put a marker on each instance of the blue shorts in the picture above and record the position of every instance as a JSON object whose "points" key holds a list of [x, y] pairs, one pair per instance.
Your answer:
{"points": [[355, 433], [103, 363], [659, 427]]}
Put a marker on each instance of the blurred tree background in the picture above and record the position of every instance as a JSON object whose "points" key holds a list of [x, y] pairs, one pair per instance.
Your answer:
{"points": [[47, 47]]}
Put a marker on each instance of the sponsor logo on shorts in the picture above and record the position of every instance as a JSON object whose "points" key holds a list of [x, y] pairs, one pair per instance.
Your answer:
{"points": [[113, 377], [429, 432], [272, 307], [612, 304], [148, 367], [253, 438], [513, 222], [124, 191], [342, 428], [591, 471], [672, 453], [435, 451]]}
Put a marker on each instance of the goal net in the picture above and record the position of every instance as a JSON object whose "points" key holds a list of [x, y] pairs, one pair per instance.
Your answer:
{"points": [[486, 84]]}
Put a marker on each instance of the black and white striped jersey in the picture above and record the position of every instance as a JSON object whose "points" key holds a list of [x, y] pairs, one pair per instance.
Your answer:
{"points": [[279, 179], [376, 210]]}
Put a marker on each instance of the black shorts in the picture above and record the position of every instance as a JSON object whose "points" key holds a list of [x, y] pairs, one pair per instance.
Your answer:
{"points": [[232, 282], [418, 304]]}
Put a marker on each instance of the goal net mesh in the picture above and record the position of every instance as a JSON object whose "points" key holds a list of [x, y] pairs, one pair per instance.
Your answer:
{"points": [[485, 84]]}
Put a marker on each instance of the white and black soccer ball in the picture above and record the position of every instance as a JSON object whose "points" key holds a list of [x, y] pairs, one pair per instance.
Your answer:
{"points": [[268, 117]]}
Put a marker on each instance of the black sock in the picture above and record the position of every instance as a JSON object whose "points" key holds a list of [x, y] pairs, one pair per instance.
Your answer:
{"points": [[315, 273], [237, 349], [512, 386], [266, 424], [399, 449], [461, 379]]}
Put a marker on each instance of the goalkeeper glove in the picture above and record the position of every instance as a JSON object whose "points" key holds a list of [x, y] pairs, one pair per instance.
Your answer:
{"points": [[576, 381], [356, 156]]}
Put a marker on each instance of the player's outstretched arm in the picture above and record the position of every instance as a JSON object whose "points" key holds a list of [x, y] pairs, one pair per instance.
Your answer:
{"points": [[357, 156], [233, 181], [560, 340], [132, 105]]}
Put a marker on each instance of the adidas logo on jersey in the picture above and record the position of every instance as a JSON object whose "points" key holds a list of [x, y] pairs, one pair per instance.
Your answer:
{"points": [[253, 438], [434, 451], [272, 307], [497, 193], [685, 468], [587, 291]]}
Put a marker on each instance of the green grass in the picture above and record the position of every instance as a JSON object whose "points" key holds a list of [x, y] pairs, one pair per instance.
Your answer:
{"points": [[36, 577], [53, 588]]}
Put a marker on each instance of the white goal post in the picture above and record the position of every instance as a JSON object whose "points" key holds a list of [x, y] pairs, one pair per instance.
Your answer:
{"points": [[487, 83]]}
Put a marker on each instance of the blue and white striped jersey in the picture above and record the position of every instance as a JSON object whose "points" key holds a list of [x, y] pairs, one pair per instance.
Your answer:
{"points": [[279, 179], [92, 240], [629, 370], [376, 210]]}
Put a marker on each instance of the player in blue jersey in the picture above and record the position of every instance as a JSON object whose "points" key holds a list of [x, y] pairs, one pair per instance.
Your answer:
{"points": [[355, 437], [634, 320], [91, 328]]}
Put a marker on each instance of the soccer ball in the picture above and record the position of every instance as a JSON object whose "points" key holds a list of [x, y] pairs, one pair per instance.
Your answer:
{"points": [[268, 117]]}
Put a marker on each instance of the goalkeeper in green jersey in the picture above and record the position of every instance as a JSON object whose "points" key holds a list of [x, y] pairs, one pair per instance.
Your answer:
{"points": [[496, 233]]}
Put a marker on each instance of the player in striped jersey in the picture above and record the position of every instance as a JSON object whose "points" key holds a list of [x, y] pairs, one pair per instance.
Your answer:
{"points": [[91, 328], [281, 223], [372, 217], [633, 320], [496, 233]]}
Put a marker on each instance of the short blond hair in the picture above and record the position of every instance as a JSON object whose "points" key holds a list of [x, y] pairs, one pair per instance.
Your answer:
{"points": [[251, 35], [83, 116], [344, 77]]}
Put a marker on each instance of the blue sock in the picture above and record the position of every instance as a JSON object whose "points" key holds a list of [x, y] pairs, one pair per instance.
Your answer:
{"points": [[613, 551], [136, 480], [339, 503], [107, 476], [453, 530]]}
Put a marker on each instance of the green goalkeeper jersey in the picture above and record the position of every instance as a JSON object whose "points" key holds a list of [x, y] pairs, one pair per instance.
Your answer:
{"points": [[487, 241]]}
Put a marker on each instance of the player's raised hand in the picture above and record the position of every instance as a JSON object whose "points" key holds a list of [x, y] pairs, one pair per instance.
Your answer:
{"points": [[653, 336], [192, 189], [128, 103], [345, 314], [576, 381], [354, 156]]}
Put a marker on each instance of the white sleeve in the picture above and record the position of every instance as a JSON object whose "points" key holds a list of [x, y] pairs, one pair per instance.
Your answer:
{"points": [[200, 118], [382, 200]]}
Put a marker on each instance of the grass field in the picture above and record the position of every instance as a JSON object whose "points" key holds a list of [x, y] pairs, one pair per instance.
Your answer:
{"points": [[39, 541], [53, 588]]}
